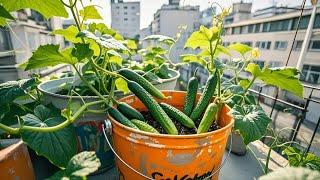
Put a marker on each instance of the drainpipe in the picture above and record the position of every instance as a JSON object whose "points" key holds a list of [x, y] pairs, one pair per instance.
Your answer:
{"points": [[307, 37]]}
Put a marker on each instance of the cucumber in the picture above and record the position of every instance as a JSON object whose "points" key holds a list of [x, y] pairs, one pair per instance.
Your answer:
{"points": [[208, 118], [155, 109], [113, 112], [190, 98], [143, 126], [129, 111], [133, 76], [205, 97], [176, 114]]}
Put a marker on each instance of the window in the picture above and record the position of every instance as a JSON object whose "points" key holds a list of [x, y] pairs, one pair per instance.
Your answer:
{"points": [[282, 25], [310, 74], [263, 44], [273, 64], [226, 43], [236, 30], [257, 28], [247, 43], [250, 28], [125, 19], [297, 44], [133, 7], [5, 43], [125, 7], [117, 7], [303, 23], [314, 45], [281, 45], [260, 63], [317, 21], [125, 13], [266, 27]]}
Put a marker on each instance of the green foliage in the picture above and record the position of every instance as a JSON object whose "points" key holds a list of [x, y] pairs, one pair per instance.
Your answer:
{"points": [[69, 34], [89, 12], [161, 38], [189, 58], [251, 121], [4, 14], [11, 90], [81, 51], [58, 146], [49, 55], [203, 38], [240, 48], [79, 166], [122, 85], [46, 8], [297, 158]]}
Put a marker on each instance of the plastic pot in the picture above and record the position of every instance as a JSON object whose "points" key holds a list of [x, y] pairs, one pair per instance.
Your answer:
{"points": [[15, 161], [161, 156]]}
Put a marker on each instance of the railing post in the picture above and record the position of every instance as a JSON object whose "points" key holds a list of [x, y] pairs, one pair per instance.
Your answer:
{"points": [[313, 135]]}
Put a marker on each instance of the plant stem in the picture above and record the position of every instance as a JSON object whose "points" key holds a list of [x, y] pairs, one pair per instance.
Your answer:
{"points": [[89, 85], [249, 85], [8, 129], [266, 168]]}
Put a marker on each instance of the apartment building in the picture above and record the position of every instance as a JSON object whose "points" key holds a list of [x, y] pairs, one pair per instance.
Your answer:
{"points": [[125, 18], [21, 38]]}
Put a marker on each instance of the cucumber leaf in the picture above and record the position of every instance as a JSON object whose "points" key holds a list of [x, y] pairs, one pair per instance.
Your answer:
{"points": [[122, 85], [80, 166], [4, 14], [240, 48], [46, 8], [251, 121], [58, 146], [89, 12], [49, 55], [160, 38], [202, 38], [189, 58], [69, 34], [82, 51], [11, 90]]}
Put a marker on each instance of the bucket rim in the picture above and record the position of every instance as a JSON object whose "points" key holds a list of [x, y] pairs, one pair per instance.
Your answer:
{"points": [[169, 136]]}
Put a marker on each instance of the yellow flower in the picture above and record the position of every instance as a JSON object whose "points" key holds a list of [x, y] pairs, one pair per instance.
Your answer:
{"points": [[225, 12], [255, 53]]}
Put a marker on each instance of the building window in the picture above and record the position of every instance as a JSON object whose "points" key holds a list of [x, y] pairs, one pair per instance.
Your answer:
{"points": [[260, 63], [250, 28], [303, 23], [117, 7], [263, 44], [125, 13], [125, 19], [273, 64], [5, 43], [297, 45], [257, 28], [266, 27], [281, 45], [247, 43], [125, 7], [236, 30], [317, 21], [310, 74], [282, 25], [133, 7], [314, 45]]}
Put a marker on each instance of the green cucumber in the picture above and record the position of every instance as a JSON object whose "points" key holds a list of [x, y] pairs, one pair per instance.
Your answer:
{"points": [[129, 111], [155, 109], [133, 76], [208, 118], [176, 114], [206, 96], [190, 98], [143, 126], [113, 112]]}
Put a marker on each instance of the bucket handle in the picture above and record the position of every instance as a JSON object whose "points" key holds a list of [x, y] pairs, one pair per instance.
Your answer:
{"points": [[107, 128]]}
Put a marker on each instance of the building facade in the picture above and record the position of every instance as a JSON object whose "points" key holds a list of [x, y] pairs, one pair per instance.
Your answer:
{"points": [[125, 18], [21, 38]]}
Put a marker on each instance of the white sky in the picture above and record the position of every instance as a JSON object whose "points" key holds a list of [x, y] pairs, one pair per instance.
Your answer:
{"points": [[149, 7]]}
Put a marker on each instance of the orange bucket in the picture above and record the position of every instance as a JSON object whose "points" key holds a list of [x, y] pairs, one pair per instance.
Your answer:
{"points": [[162, 156]]}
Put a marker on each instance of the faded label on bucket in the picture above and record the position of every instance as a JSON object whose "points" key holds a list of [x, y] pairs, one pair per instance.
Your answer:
{"points": [[196, 176]]}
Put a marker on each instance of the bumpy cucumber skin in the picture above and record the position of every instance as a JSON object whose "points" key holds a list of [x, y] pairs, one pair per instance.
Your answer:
{"points": [[177, 115], [155, 109], [113, 112], [129, 111], [143, 126], [205, 97], [191, 96], [133, 76], [208, 118]]}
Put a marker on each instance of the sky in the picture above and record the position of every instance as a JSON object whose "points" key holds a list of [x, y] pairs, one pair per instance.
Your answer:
{"points": [[149, 7]]}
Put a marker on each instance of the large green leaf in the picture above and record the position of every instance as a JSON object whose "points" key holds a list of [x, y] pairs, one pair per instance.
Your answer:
{"points": [[103, 29], [297, 158], [189, 58], [106, 41], [46, 8], [160, 38], [5, 13], [254, 69], [240, 48], [251, 121], [290, 173], [122, 85], [202, 38], [48, 55], [11, 90], [69, 34], [81, 51], [58, 146], [80, 166], [89, 12]]}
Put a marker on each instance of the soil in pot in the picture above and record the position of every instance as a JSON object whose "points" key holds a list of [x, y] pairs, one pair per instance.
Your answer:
{"points": [[181, 129]]}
